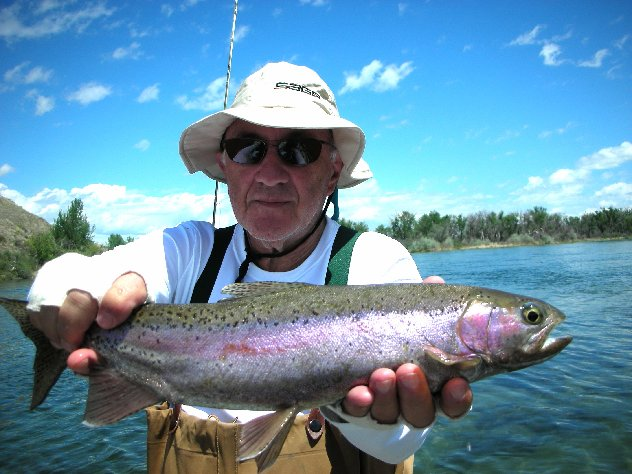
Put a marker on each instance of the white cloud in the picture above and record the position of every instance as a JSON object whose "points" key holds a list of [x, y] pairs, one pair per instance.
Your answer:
{"points": [[47, 5], [206, 99], [534, 182], [241, 32], [596, 61], [115, 209], [19, 74], [90, 92], [616, 189], [16, 22], [364, 79], [149, 93], [557, 131], [620, 43], [392, 75], [572, 189], [401, 8], [186, 4], [143, 145], [528, 37], [132, 51], [604, 159], [6, 169], [166, 9], [567, 176], [315, 3], [375, 76], [607, 158], [550, 53], [43, 104]]}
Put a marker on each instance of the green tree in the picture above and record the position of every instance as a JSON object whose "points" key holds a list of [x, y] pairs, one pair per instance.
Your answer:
{"points": [[403, 225], [71, 229], [114, 240], [382, 229], [359, 226], [43, 247]]}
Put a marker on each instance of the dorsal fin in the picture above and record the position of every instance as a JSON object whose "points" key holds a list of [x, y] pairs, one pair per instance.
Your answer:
{"points": [[260, 288]]}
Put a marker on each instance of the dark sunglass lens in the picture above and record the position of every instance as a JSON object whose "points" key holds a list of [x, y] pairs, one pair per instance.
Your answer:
{"points": [[245, 151], [300, 152]]}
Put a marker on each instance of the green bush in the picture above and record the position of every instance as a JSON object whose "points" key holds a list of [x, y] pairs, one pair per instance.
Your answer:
{"points": [[43, 247], [16, 266], [423, 244], [521, 239]]}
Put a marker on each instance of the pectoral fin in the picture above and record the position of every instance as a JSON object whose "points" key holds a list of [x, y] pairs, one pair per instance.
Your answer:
{"points": [[462, 363], [262, 438]]}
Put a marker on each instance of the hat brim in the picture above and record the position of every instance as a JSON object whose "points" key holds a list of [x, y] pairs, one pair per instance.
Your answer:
{"points": [[200, 142]]}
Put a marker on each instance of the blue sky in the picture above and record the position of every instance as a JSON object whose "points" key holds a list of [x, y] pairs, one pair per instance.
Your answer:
{"points": [[467, 106]]}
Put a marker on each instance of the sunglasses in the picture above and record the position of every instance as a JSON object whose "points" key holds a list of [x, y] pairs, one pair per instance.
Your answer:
{"points": [[293, 151]]}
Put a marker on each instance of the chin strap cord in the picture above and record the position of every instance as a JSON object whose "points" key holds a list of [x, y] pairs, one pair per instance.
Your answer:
{"points": [[253, 256]]}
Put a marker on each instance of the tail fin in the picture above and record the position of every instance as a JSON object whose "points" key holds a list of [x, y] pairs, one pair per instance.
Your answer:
{"points": [[49, 362]]}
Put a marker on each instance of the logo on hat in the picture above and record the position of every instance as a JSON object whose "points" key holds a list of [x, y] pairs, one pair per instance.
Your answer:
{"points": [[296, 87]]}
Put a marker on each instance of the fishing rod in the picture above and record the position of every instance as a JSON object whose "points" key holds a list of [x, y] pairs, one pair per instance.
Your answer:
{"points": [[230, 60]]}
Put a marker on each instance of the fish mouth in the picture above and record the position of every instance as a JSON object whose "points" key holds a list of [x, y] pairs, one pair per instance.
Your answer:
{"points": [[540, 347], [553, 346]]}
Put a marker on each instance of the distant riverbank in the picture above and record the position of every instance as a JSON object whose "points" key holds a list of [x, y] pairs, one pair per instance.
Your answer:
{"points": [[430, 245], [424, 245]]}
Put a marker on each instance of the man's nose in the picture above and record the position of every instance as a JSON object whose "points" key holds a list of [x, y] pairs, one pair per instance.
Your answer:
{"points": [[272, 170]]}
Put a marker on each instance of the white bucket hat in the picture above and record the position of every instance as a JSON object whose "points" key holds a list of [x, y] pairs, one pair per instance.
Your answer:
{"points": [[279, 95]]}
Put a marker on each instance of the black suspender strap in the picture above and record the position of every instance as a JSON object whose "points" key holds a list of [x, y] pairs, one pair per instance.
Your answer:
{"points": [[337, 269], [206, 282], [340, 258]]}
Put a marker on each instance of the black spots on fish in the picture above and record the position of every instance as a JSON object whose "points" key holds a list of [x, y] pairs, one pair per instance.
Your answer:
{"points": [[184, 325]]}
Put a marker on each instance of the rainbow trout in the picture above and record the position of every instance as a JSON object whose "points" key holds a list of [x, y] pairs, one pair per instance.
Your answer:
{"points": [[287, 347]]}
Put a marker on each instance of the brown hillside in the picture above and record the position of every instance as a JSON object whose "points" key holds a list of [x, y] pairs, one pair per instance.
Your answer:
{"points": [[17, 225]]}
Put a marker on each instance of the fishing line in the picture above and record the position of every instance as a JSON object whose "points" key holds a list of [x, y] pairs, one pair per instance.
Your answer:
{"points": [[230, 60]]}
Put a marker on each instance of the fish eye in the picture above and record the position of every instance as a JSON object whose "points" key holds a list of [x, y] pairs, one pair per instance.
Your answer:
{"points": [[532, 314]]}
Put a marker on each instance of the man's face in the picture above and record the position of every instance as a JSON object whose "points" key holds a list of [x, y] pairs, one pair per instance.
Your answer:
{"points": [[275, 201]]}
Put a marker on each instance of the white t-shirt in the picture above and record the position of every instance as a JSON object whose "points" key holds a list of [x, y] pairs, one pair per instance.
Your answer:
{"points": [[171, 261]]}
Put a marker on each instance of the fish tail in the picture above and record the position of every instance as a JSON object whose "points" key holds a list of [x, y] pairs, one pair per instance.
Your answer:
{"points": [[49, 362]]}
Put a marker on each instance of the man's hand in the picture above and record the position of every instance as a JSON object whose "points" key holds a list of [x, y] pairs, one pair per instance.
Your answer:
{"points": [[405, 391], [66, 326], [389, 393]]}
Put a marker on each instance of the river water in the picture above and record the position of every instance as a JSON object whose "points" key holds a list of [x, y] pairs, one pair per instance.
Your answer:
{"points": [[572, 414]]}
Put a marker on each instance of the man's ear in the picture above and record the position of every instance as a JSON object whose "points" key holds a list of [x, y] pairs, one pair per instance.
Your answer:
{"points": [[335, 174], [219, 159]]}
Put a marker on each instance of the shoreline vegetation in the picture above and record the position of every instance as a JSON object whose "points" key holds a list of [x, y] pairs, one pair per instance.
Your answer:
{"points": [[431, 232]]}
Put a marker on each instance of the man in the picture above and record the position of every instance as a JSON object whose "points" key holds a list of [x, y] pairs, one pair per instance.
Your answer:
{"points": [[282, 149]]}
